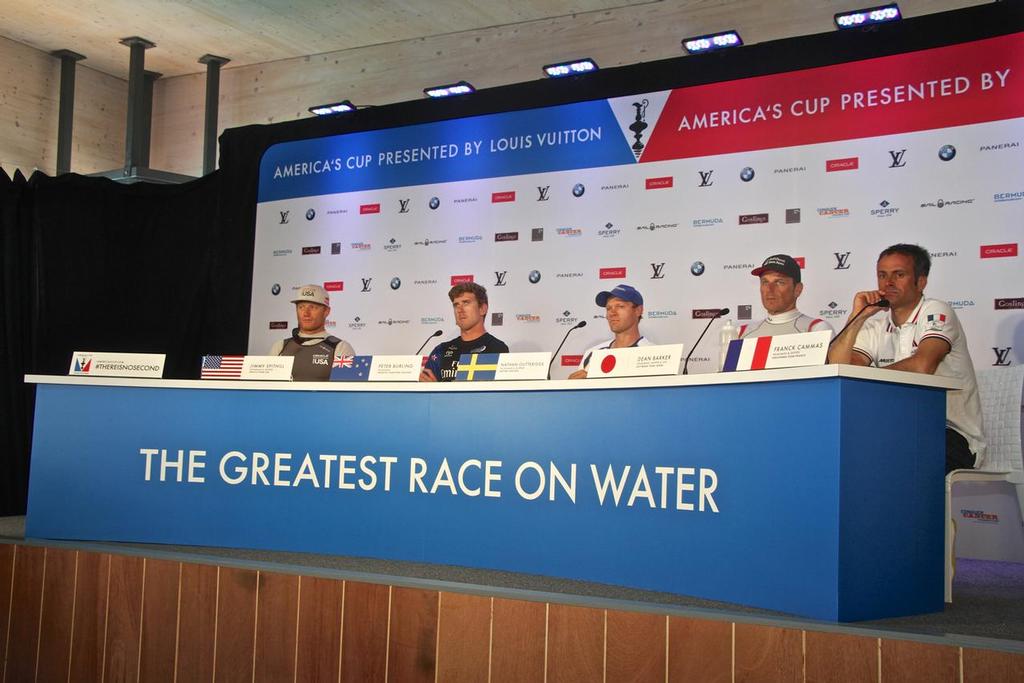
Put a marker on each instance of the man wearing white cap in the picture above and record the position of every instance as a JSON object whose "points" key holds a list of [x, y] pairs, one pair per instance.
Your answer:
{"points": [[623, 308], [313, 348]]}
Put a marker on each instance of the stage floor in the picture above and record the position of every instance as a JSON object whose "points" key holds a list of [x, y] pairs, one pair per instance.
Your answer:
{"points": [[988, 596]]}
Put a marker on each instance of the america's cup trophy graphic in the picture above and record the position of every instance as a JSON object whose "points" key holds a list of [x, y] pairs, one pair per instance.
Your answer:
{"points": [[639, 126]]}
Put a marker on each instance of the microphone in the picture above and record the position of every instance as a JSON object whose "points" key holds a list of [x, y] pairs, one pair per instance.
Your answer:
{"points": [[582, 323], [881, 303], [716, 316], [436, 334]]}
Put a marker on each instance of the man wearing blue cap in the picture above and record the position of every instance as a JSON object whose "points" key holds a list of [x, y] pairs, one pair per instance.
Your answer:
{"points": [[623, 308]]}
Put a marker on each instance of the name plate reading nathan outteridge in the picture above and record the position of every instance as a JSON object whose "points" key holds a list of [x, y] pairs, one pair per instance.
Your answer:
{"points": [[781, 351], [476, 367], [636, 361], [99, 364]]}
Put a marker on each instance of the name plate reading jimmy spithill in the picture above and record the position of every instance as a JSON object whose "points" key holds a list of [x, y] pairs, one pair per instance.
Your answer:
{"points": [[781, 351], [475, 367], [268, 367], [636, 361], [100, 364]]}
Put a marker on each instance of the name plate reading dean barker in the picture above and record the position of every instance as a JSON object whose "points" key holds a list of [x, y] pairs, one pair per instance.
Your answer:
{"points": [[782, 351], [636, 361], [268, 367], [98, 364]]}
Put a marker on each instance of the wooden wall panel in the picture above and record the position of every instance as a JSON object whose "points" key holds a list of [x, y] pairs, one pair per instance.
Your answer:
{"points": [[412, 640], [58, 606], [90, 619], [575, 644], [635, 650], [236, 625], [765, 654], [989, 665], [159, 620], [6, 577], [840, 658], [463, 638], [364, 642], [318, 652], [904, 661], [124, 619], [699, 650], [197, 622], [519, 641], [26, 596], [277, 607]]}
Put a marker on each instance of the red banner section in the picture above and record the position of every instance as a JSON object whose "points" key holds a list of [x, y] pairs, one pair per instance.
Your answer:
{"points": [[938, 88]]}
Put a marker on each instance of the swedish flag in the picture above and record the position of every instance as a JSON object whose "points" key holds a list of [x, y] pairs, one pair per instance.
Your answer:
{"points": [[474, 367]]}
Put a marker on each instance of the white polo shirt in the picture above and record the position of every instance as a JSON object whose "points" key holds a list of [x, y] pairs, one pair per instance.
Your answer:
{"points": [[883, 343]]}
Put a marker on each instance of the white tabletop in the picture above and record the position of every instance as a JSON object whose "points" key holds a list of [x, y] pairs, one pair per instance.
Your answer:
{"points": [[779, 375]]}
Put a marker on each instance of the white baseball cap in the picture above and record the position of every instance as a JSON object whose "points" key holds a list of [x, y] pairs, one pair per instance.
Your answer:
{"points": [[313, 293]]}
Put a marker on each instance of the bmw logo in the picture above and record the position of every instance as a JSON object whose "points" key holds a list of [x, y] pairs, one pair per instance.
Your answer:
{"points": [[310, 214], [747, 174], [947, 152], [276, 289], [697, 268], [534, 276], [578, 190], [434, 202], [396, 283]]}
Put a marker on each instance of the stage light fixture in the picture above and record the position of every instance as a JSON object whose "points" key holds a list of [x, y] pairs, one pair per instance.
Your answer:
{"points": [[712, 41], [870, 15], [460, 88], [573, 68], [332, 109]]}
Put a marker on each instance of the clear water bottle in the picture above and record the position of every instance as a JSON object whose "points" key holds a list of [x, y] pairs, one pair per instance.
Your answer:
{"points": [[728, 332]]}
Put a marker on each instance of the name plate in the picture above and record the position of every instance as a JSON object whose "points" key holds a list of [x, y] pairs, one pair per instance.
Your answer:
{"points": [[396, 368], [268, 367], [476, 367], [781, 351], [99, 364], [636, 361]]}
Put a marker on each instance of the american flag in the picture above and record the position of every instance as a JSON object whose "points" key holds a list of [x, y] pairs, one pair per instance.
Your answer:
{"points": [[222, 367]]}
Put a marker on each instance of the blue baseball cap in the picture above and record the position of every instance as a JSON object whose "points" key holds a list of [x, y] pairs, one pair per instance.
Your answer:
{"points": [[624, 292]]}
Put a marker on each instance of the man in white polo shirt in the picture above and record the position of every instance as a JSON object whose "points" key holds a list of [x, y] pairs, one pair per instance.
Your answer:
{"points": [[780, 288], [623, 308], [917, 335]]}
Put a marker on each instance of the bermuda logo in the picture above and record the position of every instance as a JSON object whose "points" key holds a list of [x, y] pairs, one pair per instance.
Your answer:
{"points": [[896, 158], [83, 364], [947, 152], [747, 174], [542, 193], [403, 206], [499, 278], [310, 214], [366, 284], [1002, 356], [705, 178], [658, 271], [842, 260], [284, 217]]}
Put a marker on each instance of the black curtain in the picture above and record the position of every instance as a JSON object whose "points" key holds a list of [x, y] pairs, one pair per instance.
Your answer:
{"points": [[89, 264]]}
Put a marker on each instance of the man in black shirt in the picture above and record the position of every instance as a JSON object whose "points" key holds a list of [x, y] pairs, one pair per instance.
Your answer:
{"points": [[469, 301]]}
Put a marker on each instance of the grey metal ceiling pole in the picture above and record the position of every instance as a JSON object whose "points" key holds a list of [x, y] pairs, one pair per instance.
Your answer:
{"points": [[136, 94], [213, 64], [145, 122], [66, 107]]}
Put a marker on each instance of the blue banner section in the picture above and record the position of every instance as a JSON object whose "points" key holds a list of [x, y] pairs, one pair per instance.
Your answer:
{"points": [[571, 136], [649, 488]]}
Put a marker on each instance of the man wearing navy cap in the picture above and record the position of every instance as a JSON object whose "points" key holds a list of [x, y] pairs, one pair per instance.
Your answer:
{"points": [[780, 288], [623, 308]]}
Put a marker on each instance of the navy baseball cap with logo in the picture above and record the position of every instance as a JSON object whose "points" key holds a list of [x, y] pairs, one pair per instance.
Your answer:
{"points": [[780, 263], [624, 292]]}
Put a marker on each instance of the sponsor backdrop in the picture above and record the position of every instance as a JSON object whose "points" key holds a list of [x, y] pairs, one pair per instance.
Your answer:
{"points": [[679, 193]]}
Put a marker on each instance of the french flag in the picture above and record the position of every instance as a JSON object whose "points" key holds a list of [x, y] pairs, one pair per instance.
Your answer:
{"points": [[747, 354]]}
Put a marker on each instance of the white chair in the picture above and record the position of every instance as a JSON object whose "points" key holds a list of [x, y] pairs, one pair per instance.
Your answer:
{"points": [[1001, 391]]}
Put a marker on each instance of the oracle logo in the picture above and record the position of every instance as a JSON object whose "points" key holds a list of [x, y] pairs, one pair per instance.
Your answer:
{"points": [[369, 208], [848, 164], [998, 250], [658, 183], [799, 260], [335, 286], [461, 279], [571, 361], [498, 197], [610, 273]]}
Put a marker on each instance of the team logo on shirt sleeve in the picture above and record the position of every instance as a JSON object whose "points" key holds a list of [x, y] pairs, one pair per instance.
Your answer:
{"points": [[936, 321]]}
